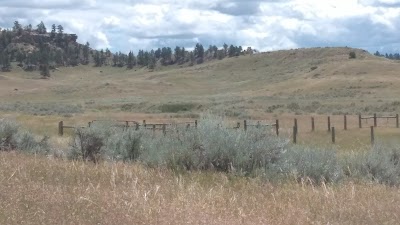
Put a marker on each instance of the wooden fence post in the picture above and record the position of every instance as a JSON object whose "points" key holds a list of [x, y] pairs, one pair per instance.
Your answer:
{"points": [[372, 135], [164, 129], [345, 122], [312, 124], [127, 124], [277, 127], [195, 124], [329, 124], [89, 124], [137, 126], [375, 120], [295, 123], [144, 123], [245, 125], [61, 128], [294, 134], [397, 120], [359, 121], [333, 135], [154, 129]]}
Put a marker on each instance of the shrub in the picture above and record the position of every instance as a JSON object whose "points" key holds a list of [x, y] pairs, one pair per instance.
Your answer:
{"points": [[13, 138], [177, 107], [352, 55], [8, 132], [213, 147], [87, 144], [381, 164], [313, 164], [124, 146]]}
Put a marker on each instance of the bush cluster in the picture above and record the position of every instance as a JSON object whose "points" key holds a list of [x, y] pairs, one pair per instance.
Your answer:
{"points": [[12, 137]]}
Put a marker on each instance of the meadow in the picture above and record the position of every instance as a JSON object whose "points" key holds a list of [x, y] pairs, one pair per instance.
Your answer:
{"points": [[208, 175]]}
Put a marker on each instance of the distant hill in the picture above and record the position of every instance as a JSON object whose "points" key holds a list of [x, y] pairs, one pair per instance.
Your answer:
{"points": [[38, 49]]}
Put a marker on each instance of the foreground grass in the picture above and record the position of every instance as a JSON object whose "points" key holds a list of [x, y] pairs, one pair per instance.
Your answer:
{"points": [[37, 190]]}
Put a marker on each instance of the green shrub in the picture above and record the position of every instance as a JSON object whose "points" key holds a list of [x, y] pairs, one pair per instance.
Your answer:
{"points": [[381, 164], [177, 107], [313, 164], [352, 55], [214, 147], [124, 146], [12, 137], [87, 144]]}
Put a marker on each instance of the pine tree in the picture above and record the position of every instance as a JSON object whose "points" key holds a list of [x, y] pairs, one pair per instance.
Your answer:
{"points": [[41, 28], [53, 31], [130, 60]]}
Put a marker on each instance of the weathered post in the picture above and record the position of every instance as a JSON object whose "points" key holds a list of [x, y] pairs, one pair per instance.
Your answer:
{"points": [[295, 123], [137, 126], [245, 125], [375, 120], [345, 122], [195, 124], [397, 120], [154, 128], [61, 128], [333, 135], [164, 129], [89, 124], [312, 124], [294, 134], [372, 135], [127, 124], [277, 127], [329, 124], [144, 123], [359, 121]]}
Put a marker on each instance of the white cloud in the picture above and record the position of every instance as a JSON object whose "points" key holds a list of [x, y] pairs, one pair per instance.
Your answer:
{"points": [[124, 25]]}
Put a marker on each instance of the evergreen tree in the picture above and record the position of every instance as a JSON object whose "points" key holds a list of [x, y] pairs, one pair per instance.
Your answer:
{"points": [[86, 50], [53, 31], [97, 59], [41, 28], [130, 60], [44, 59], [152, 60], [17, 28], [60, 34], [226, 49]]}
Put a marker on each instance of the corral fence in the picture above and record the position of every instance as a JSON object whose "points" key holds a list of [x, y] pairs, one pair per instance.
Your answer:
{"points": [[363, 122]]}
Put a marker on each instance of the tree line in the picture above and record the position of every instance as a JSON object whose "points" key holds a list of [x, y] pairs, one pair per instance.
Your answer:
{"points": [[395, 56], [40, 49]]}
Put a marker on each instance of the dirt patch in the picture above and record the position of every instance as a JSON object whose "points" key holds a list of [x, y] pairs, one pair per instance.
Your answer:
{"points": [[2, 78]]}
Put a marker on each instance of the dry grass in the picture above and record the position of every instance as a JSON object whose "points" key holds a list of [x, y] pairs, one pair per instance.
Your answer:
{"points": [[36, 190]]}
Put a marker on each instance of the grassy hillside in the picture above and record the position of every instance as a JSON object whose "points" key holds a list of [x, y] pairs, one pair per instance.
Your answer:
{"points": [[320, 80]]}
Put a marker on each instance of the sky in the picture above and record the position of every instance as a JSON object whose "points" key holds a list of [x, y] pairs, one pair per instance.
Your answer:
{"points": [[266, 25]]}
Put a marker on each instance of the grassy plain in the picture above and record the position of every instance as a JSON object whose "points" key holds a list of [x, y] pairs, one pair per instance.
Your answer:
{"points": [[279, 85]]}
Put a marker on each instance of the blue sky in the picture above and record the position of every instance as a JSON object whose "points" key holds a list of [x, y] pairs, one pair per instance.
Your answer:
{"points": [[124, 25]]}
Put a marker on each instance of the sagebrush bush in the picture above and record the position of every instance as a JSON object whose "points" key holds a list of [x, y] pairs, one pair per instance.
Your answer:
{"points": [[381, 164], [212, 146], [12, 137], [317, 165], [87, 144], [124, 145]]}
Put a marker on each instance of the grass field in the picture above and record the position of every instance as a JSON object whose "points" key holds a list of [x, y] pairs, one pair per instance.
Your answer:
{"points": [[278, 85], [37, 190]]}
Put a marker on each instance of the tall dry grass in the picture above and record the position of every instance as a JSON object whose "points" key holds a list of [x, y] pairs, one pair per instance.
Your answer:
{"points": [[38, 190]]}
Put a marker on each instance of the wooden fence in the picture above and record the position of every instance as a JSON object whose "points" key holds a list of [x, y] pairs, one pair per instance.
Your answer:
{"points": [[247, 124]]}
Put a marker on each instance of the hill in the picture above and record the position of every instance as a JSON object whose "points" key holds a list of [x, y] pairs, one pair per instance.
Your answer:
{"points": [[316, 80]]}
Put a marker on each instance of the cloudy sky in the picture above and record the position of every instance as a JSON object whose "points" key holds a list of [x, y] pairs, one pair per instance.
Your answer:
{"points": [[124, 25]]}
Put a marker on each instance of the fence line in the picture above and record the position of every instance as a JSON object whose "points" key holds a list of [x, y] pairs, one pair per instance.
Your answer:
{"points": [[247, 124]]}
